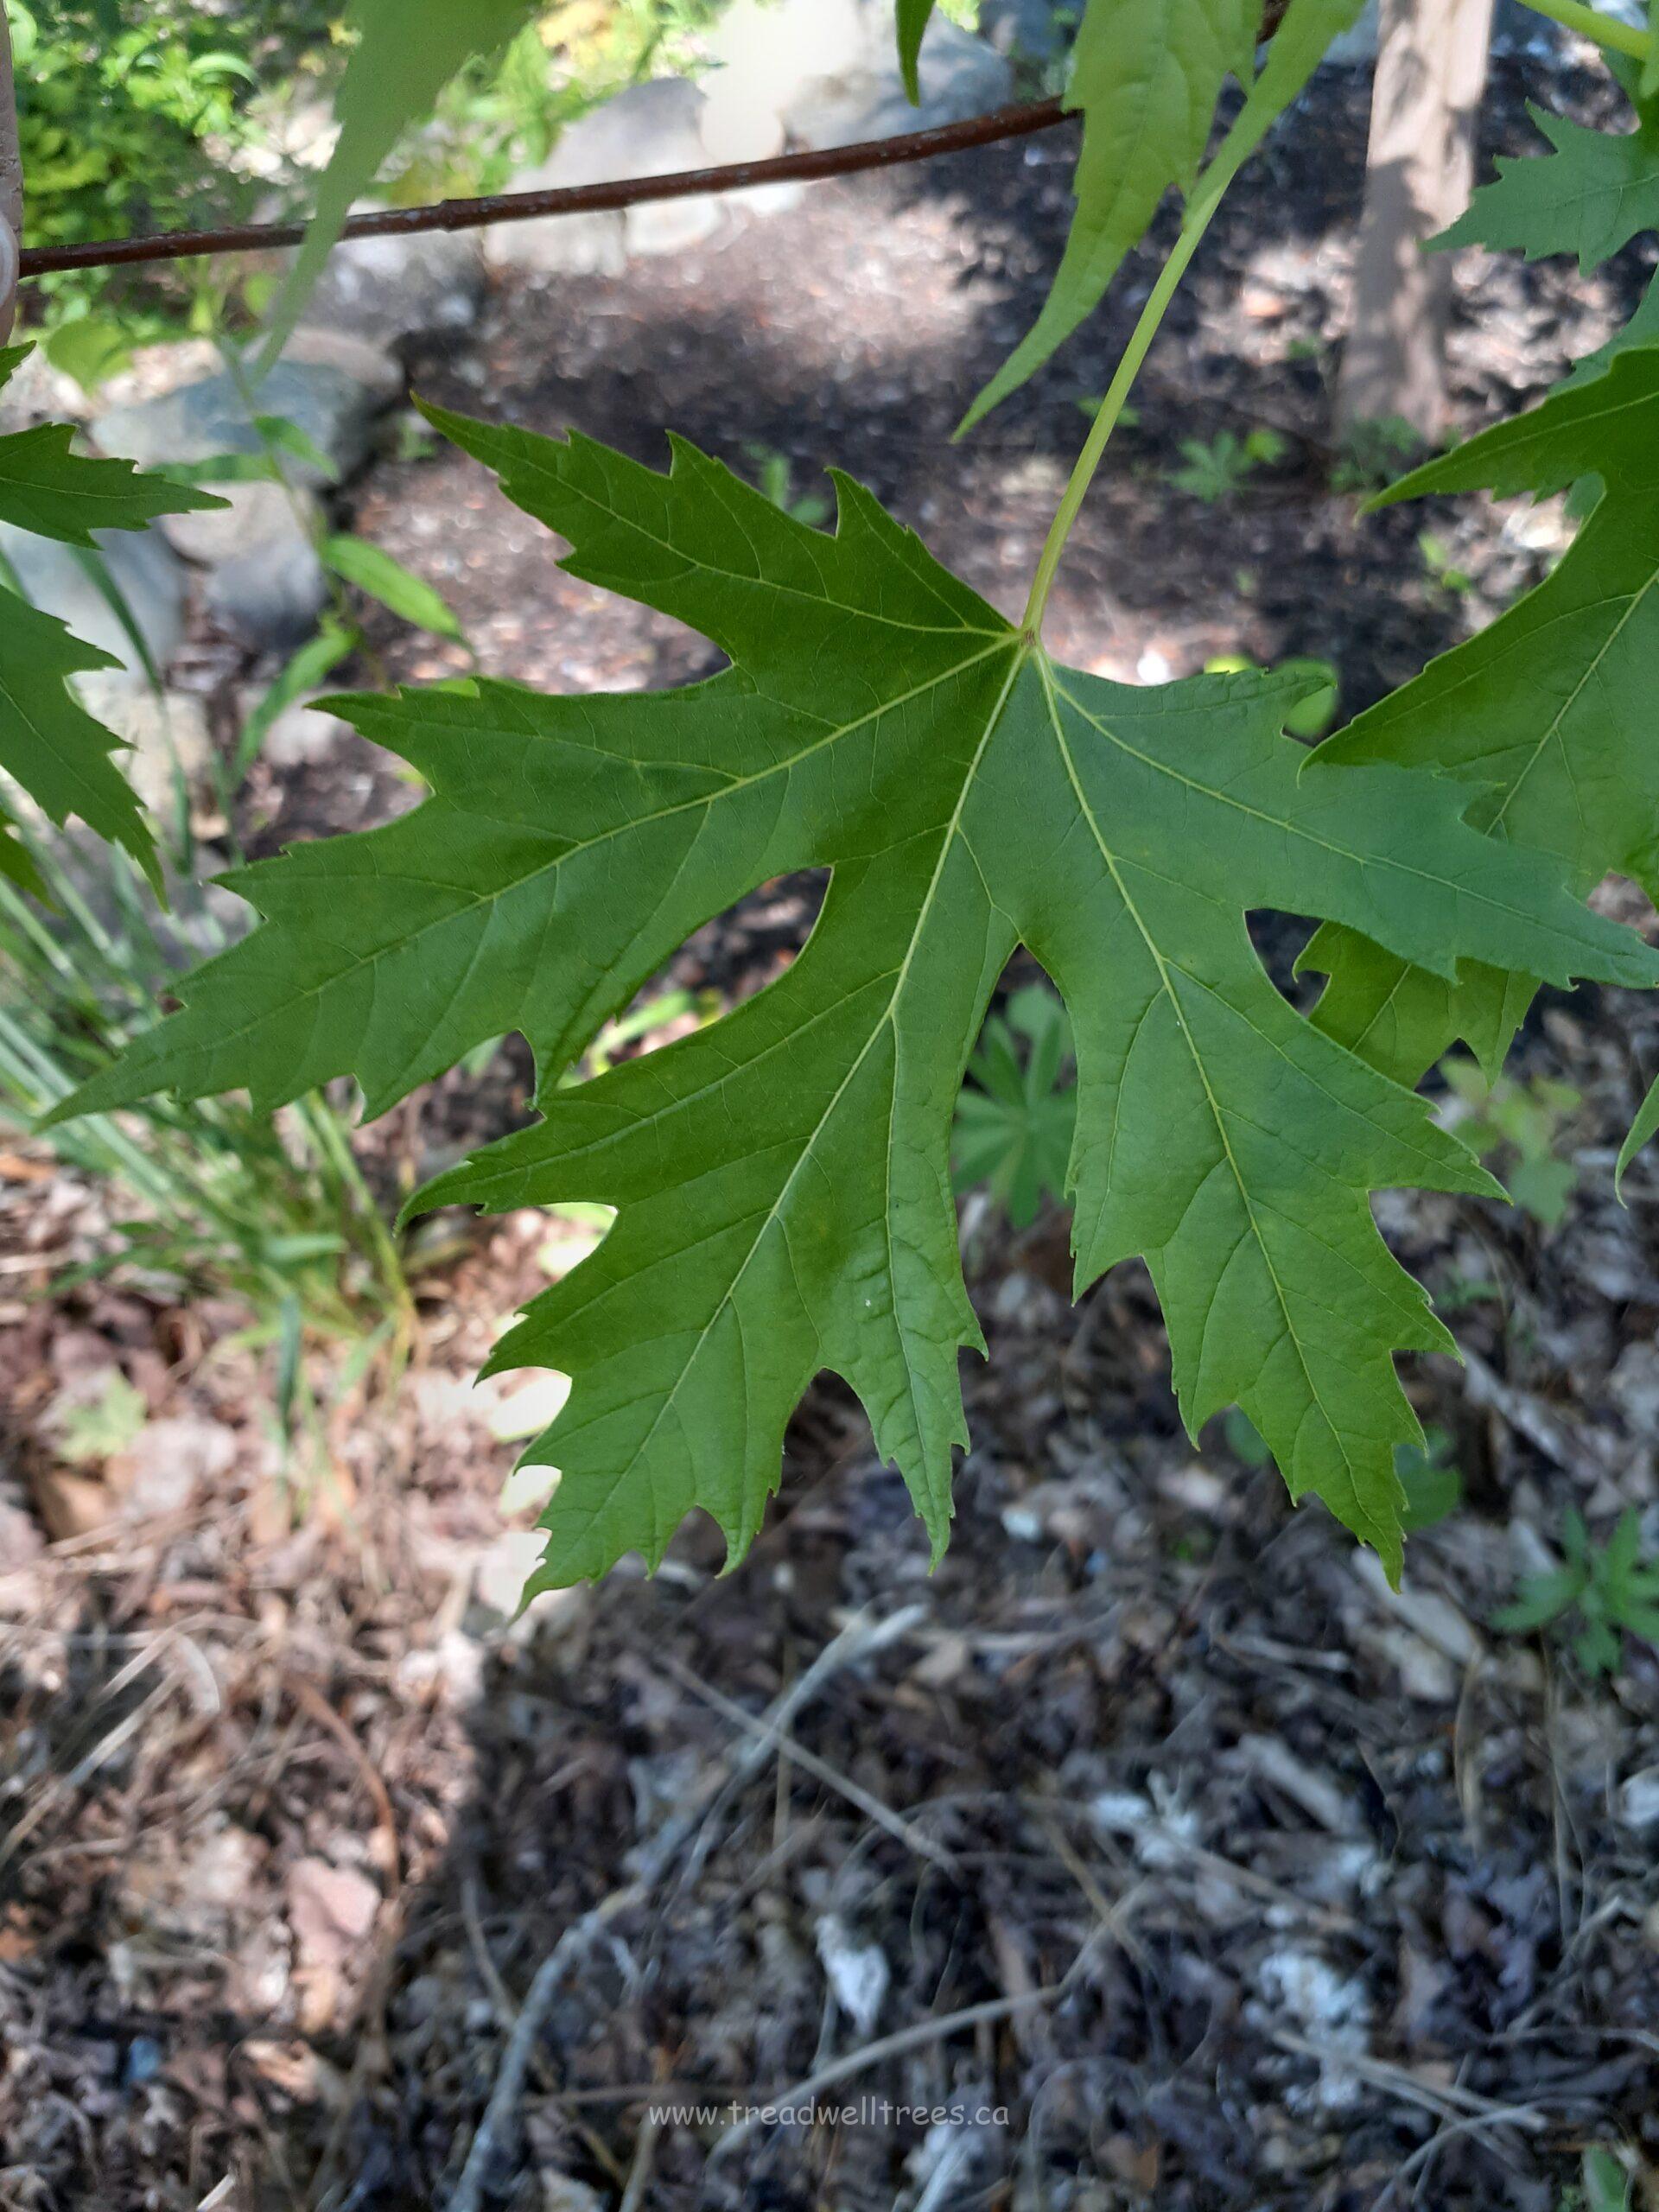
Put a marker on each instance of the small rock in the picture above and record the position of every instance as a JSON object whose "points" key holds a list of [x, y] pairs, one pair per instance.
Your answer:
{"points": [[222, 1871], [36, 392], [452, 1672], [536, 1406], [768, 54], [1425, 1673], [1633, 1387], [316, 345], [960, 76], [650, 129], [1334, 2011], [144, 569], [1271, 1761], [167, 735], [20, 1541], [1164, 1834], [1197, 1490], [253, 514], [1429, 1614], [386, 289], [330, 1909], [1638, 1800], [272, 593], [331, 386], [1355, 48], [1032, 30], [171, 1463], [505, 1566], [858, 1973], [560, 2193], [301, 736]]}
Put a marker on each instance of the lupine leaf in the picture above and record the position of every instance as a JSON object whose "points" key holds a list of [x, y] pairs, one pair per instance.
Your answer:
{"points": [[914, 16], [58, 754], [1546, 715], [783, 1177], [1147, 76], [1594, 195]]}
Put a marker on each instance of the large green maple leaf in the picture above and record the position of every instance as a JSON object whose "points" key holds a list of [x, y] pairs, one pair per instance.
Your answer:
{"points": [[59, 755], [1546, 715], [783, 1177], [1596, 190]]}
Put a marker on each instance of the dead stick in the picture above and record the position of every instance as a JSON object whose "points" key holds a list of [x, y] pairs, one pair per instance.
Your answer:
{"points": [[860, 1637]]}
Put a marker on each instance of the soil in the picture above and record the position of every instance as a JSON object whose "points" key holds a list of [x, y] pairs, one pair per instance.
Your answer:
{"points": [[1150, 1851]]}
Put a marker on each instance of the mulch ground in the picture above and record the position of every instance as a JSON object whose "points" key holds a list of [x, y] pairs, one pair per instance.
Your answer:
{"points": [[1150, 1851]]}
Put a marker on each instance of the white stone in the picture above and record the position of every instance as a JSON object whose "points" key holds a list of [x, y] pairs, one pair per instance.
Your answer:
{"points": [[144, 569], [505, 1566], [260, 513], [301, 736], [960, 76], [650, 129], [167, 735], [330, 385], [1638, 1800], [1357, 48], [858, 1972]]}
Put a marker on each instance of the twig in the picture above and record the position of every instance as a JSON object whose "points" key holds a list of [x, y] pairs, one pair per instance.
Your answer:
{"points": [[1447, 2100], [786, 1745], [893, 2046], [521, 2044], [11, 186], [574, 200], [1572, 1451], [311, 1701], [858, 1640], [644, 2157], [861, 1638]]}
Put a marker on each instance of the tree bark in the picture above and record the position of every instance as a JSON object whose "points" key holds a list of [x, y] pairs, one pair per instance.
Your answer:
{"points": [[11, 186], [1430, 72]]}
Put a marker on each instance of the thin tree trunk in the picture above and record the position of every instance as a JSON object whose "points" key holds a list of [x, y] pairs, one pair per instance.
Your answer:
{"points": [[1430, 71], [11, 186]]}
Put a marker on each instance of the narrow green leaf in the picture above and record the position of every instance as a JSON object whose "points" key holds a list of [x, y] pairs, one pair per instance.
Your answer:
{"points": [[17, 863], [374, 570], [407, 51], [782, 1177], [316, 659], [1642, 1130], [1543, 1599], [286, 437], [913, 18]]}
